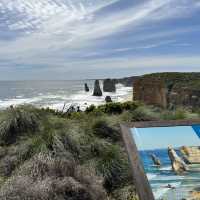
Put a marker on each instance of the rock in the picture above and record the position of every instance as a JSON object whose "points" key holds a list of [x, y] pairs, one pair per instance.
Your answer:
{"points": [[97, 90], [191, 155], [168, 89], [178, 165], [86, 88], [108, 99], [109, 85], [150, 91], [155, 160]]}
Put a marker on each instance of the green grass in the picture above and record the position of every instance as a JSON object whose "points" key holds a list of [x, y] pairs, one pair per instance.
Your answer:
{"points": [[87, 144]]}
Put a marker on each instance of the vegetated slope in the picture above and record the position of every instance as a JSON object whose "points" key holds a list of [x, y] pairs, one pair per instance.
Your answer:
{"points": [[47, 155], [191, 80]]}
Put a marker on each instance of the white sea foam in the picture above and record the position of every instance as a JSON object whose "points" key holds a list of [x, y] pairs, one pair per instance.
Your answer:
{"points": [[166, 168], [57, 100], [151, 176], [163, 189]]}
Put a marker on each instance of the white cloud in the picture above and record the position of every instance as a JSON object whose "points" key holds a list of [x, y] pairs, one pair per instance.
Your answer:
{"points": [[56, 30]]}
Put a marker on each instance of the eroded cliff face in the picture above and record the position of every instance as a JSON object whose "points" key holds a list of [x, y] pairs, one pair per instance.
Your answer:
{"points": [[184, 96], [168, 89], [150, 91]]}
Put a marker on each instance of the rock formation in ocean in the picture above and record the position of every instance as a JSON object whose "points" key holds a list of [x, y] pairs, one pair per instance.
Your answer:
{"points": [[191, 155], [155, 160], [178, 165], [109, 85], [168, 89], [97, 90], [108, 99], [86, 88]]}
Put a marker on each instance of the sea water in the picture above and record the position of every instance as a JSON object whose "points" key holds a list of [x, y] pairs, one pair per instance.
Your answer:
{"points": [[54, 94], [160, 177]]}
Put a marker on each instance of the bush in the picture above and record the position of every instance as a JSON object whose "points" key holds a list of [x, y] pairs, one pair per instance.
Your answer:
{"points": [[114, 167], [50, 178], [174, 115], [102, 130], [17, 121], [113, 108]]}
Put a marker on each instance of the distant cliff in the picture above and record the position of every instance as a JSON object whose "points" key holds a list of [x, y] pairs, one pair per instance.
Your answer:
{"points": [[168, 89], [126, 81]]}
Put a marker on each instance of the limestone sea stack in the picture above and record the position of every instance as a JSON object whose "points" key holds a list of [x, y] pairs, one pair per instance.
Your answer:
{"points": [[86, 88], [178, 165], [97, 90], [108, 99], [109, 85], [155, 160]]}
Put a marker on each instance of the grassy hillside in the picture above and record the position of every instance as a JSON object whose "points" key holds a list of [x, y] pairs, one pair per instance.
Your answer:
{"points": [[189, 80], [47, 155]]}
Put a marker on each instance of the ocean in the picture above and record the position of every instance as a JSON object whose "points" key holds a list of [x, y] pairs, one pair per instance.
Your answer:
{"points": [[160, 178], [54, 94]]}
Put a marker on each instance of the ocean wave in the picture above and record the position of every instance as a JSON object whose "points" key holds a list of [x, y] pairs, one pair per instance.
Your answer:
{"points": [[162, 189], [151, 176], [58, 100]]}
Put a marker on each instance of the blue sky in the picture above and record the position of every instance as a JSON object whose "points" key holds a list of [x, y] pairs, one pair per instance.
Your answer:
{"points": [[78, 39], [163, 137]]}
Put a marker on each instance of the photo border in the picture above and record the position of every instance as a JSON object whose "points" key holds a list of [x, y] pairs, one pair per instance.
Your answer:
{"points": [[142, 184]]}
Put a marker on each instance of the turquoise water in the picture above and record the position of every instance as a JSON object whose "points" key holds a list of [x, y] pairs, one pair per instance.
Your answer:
{"points": [[159, 178]]}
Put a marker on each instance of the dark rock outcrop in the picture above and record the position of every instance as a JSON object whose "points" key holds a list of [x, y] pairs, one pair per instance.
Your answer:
{"points": [[97, 90], [168, 89], [178, 165], [86, 88], [155, 160], [109, 85], [108, 99]]}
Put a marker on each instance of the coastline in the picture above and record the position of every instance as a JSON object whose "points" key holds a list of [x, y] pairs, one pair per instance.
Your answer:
{"points": [[67, 93]]}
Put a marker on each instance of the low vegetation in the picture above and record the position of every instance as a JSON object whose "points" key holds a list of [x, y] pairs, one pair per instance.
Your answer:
{"points": [[50, 155]]}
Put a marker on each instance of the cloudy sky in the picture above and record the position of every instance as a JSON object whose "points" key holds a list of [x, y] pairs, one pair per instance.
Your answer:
{"points": [[76, 39]]}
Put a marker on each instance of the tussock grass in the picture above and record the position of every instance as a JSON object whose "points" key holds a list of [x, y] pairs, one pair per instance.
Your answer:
{"points": [[17, 121], [70, 156]]}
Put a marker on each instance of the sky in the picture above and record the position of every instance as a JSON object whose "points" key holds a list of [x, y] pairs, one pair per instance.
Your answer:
{"points": [[86, 39], [176, 136]]}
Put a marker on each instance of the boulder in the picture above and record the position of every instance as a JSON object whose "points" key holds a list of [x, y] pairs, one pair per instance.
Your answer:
{"points": [[86, 88], [97, 90], [155, 160], [108, 99], [178, 165], [109, 85]]}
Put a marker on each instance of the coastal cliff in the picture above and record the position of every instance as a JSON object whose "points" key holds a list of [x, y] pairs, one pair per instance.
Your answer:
{"points": [[168, 89]]}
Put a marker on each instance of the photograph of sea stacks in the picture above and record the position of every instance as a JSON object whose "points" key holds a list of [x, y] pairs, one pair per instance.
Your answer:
{"points": [[172, 161]]}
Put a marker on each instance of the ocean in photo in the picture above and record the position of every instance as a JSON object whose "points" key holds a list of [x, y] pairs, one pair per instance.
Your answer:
{"points": [[54, 94], [161, 177]]}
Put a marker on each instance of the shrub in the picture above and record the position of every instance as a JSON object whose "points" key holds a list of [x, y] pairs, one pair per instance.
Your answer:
{"points": [[102, 130], [174, 115], [16, 122], [113, 166], [52, 178], [130, 105], [139, 114]]}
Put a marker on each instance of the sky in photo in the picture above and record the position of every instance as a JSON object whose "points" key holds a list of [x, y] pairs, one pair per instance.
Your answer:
{"points": [[77, 39], [163, 137]]}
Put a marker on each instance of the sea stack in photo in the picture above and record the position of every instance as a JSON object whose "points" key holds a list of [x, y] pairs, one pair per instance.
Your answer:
{"points": [[97, 90], [109, 85], [86, 88], [155, 160], [108, 99], [178, 165]]}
